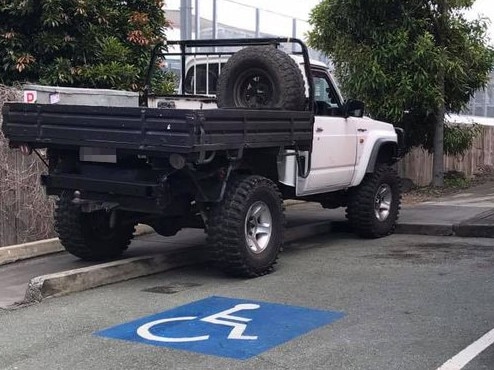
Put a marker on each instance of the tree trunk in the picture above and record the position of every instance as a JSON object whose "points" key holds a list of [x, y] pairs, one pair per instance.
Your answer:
{"points": [[440, 111], [438, 159]]}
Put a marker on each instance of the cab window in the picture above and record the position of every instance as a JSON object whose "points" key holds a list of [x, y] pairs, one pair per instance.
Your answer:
{"points": [[326, 101], [202, 79]]}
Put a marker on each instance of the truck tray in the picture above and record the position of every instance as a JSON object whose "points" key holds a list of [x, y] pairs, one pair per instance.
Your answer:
{"points": [[154, 129]]}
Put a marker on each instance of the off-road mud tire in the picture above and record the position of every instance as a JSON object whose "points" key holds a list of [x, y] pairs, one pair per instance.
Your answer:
{"points": [[79, 234], [229, 222], [274, 78], [362, 203]]}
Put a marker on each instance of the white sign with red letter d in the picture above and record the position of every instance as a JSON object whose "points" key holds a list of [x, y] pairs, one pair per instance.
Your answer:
{"points": [[30, 96]]}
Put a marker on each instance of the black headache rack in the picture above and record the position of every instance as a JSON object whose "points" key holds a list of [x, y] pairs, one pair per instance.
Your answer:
{"points": [[222, 48], [154, 130]]}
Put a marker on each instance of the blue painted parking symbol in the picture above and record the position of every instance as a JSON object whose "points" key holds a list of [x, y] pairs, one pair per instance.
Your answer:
{"points": [[224, 327]]}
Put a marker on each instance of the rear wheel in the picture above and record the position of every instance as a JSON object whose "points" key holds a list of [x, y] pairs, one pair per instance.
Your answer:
{"points": [[374, 205], [245, 230], [94, 236]]}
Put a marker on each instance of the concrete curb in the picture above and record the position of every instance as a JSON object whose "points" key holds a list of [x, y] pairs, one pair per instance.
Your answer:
{"points": [[66, 282], [425, 229], [142, 229], [462, 229], [467, 229], [61, 283], [481, 226], [19, 252], [470, 228], [293, 202], [24, 251], [474, 230]]}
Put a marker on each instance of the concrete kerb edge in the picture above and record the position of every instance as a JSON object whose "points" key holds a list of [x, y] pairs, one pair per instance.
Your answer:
{"points": [[24, 251], [71, 281], [479, 226], [65, 282], [19, 252], [293, 202], [462, 229], [474, 230], [425, 229], [11, 254]]}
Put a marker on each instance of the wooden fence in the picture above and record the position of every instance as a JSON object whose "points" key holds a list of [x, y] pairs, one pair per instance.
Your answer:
{"points": [[417, 165]]}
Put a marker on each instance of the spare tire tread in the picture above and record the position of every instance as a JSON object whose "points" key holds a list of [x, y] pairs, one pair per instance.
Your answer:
{"points": [[286, 75]]}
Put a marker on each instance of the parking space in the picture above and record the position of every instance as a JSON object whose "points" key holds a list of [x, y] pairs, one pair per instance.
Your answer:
{"points": [[401, 302]]}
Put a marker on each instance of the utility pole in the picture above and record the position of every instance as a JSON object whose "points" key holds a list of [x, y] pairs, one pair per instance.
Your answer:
{"points": [[198, 21], [258, 22], [185, 19], [215, 19]]}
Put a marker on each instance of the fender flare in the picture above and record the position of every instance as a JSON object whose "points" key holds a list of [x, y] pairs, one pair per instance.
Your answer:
{"points": [[380, 143]]}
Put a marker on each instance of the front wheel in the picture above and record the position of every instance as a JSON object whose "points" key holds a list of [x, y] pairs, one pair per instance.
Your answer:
{"points": [[374, 205], [245, 230]]}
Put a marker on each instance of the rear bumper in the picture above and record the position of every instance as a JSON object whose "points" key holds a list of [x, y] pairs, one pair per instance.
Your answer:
{"points": [[132, 196], [56, 183]]}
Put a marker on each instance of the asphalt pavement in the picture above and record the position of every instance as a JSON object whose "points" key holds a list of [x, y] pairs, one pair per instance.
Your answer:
{"points": [[409, 303], [35, 271]]}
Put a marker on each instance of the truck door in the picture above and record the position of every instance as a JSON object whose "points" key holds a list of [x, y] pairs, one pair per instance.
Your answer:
{"points": [[334, 146]]}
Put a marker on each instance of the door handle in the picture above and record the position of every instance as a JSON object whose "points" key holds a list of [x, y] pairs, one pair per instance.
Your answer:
{"points": [[362, 130], [319, 129]]}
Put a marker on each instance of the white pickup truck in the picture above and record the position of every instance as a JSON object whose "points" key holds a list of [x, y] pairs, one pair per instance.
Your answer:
{"points": [[252, 126]]}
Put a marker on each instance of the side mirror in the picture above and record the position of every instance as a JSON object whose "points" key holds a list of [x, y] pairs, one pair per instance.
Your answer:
{"points": [[354, 108]]}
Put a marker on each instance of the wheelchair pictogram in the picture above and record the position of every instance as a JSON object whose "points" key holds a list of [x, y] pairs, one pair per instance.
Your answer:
{"points": [[225, 318], [222, 326]]}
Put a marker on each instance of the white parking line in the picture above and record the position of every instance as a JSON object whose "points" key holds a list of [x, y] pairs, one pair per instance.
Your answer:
{"points": [[468, 354]]}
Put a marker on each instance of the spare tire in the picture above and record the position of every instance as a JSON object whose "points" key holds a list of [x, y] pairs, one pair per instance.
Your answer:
{"points": [[261, 77]]}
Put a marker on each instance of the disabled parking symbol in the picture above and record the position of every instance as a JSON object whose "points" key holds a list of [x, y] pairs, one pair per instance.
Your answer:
{"points": [[223, 327], [220, 318]]}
